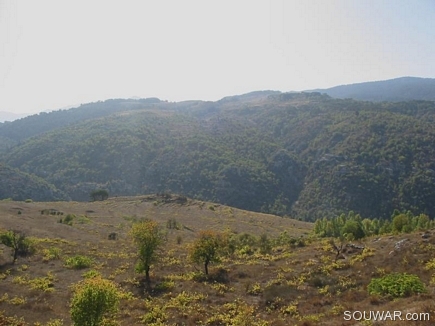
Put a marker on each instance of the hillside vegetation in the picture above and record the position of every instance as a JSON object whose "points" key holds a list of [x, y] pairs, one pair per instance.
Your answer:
{"points": [[17, 185], [306, 155], [266, 270], [398, 89]]}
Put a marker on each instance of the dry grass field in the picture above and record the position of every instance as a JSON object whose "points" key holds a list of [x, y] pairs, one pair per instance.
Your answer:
{"points": [[298, 281]]}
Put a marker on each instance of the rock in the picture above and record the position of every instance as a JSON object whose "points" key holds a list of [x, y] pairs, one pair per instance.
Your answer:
{"points": [[113, 236], [399, 244], [354, 246]]}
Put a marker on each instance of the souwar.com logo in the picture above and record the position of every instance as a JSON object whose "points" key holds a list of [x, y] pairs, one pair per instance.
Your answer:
{"points": [[385, 315]]}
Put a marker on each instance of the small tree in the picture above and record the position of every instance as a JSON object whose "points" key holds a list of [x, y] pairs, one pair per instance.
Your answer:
{"points": [[265, 244], [94, 299], [352, 230], [148, 237], [18, 242], [100, 194], [207, 248], [401, 223]]}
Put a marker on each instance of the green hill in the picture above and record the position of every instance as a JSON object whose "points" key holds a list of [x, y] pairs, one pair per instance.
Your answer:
{"points": [[17, 185], [302, 154]]}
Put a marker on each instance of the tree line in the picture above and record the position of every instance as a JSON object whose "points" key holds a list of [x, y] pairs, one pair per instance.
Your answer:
{"points": [[353, 227]]}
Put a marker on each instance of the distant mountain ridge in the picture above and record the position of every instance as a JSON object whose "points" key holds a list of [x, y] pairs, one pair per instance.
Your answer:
{"points": [[393, 90], [10, 116], [306, 155]]}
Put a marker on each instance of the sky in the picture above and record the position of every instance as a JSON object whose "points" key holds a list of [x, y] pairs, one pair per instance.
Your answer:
{"points": [[56, 54]]}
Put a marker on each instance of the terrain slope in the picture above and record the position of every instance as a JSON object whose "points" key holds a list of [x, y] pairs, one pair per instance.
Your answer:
{"points": [[295, 280]]}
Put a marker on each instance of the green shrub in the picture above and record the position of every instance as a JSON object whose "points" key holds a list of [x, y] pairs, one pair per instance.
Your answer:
{"points": [[68, 220], [396, 285], [173, 224], [165, 285], [78, 262], [265, 244], [51, 253], [95, 300], [91, 273], [20, 244]]}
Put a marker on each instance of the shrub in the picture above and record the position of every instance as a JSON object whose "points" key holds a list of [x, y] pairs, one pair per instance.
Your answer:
{"points": [[55, 322], [265, 244], [91, 273], [172, 224], [51, 253], [95, 299], [401, 223], [99, 194], [20, 244], [68, 220], [165, 285], [396, 285], [78, 262]]}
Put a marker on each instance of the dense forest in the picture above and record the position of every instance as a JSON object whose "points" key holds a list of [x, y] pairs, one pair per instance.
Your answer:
{"points": [[398, 89], [305, 155]]}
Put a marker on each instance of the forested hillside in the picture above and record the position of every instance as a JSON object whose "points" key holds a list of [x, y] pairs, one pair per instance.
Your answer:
{"points": [[301, 154], [399, 89], [16, 185]]}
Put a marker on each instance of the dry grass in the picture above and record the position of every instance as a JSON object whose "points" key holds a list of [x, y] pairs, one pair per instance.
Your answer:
{"points": [[291, 285]]}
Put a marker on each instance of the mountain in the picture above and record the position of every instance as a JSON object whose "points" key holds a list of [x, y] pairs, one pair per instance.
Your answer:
{"points": [[9, 116], [306, 155], [399, 89], [46, 121]]}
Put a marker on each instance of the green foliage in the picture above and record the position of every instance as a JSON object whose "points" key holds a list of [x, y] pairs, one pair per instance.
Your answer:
{"points": [[304, 155], [265, 244], [172, 224], [68, 220], [99, 194], [352, 230], [20, 186], [91, 274], [352, 227], [78, 262], [39, 283], [396, 285], [401, 223], [51, 253], [94, 300], [18, 242], [11, 321], [207, 248], [148, 239]]}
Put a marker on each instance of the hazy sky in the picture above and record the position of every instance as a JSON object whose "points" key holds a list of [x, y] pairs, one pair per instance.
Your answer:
{"points": [[60, 53]]}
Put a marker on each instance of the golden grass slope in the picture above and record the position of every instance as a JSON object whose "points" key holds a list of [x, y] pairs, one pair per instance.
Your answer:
{"points": [[294, 284]]}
